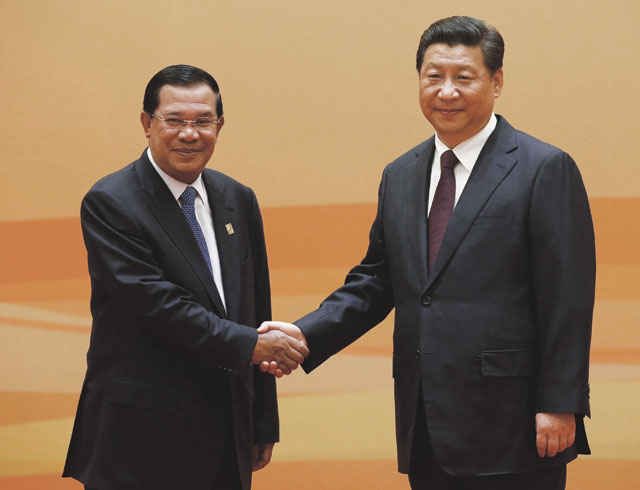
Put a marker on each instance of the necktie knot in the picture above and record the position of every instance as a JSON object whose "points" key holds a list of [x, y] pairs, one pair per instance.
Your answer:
{"points": [[448, 159], [188, 197]]}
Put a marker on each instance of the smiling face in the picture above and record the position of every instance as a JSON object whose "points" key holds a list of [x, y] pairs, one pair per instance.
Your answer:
{"points": [[457, 91], [182, 154]]}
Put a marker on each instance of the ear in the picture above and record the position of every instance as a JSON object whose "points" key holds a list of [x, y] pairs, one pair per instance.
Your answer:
{"points": [[145, 119], [497, 81], [219, 126]]}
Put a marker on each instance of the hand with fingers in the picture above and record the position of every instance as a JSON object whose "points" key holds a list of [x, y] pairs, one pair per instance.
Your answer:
{"points": [[555, 432], [272, 366], [277, 348], [261, 455]]}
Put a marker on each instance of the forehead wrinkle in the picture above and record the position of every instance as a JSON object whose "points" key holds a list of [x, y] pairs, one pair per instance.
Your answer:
{"points": [[458, 54], [459, 65], [177, 111]]}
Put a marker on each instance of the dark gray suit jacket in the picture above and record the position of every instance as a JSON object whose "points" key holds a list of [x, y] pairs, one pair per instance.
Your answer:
{"points": [[168, 388], [500, 328]]}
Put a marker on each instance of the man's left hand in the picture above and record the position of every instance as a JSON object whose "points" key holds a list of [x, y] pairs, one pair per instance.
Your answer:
{"points": [[555, 432], [261, 455]]}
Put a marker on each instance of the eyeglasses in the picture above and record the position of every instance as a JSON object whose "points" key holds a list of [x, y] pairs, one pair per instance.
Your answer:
{"points": [[201, 124]]}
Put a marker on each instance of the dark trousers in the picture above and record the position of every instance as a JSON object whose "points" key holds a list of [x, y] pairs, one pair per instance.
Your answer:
{"points": [[425, 472], [227, 476]]}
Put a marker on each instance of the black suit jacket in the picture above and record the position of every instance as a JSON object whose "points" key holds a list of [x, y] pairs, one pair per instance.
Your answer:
{"points": [[500, 328], [168, 385]]}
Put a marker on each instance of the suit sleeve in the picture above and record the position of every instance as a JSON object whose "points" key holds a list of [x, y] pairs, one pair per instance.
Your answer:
{"points": [[122, 262], [265, 407], [563, 268], [364, 300]]}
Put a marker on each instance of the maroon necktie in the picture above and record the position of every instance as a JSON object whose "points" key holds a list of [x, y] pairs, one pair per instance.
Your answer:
{"points": [[442, 205]]}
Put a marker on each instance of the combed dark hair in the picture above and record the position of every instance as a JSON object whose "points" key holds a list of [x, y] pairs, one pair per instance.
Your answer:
{"points": [[467, 31], [181, 75]]}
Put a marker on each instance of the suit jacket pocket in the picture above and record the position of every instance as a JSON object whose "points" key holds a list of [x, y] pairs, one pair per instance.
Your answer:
{"points": [[510, 362], [491, 222], [141, 395]]}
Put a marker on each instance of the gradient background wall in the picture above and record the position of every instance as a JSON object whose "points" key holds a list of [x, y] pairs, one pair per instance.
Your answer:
{"points": [[319, 97]]}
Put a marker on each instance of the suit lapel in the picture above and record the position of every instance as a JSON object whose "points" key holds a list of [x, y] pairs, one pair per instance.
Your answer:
{"points": [[224, 213], [494, 163], [170, 217], [415, 208]]}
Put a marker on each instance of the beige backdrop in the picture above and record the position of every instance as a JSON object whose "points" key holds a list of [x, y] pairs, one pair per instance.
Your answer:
{"points": [[319, 97]]}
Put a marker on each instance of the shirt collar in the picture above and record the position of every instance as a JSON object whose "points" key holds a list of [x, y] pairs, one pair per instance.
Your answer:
{"points": [[468, 151], [175, 186]]}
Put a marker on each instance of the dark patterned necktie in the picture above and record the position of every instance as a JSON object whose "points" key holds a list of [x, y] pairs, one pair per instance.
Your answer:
{"points": [[442, 205], [188, 199]]}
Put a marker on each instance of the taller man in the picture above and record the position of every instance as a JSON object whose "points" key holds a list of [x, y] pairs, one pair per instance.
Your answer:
{"points": [[179, 283], [483, 242]]}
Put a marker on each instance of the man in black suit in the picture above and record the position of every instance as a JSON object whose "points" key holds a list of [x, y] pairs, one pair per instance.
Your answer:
{"points": [[179, 283], [483, 242]]}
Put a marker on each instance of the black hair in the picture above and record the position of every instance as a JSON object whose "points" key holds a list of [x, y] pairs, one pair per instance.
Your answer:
{"points": [[467, 31], [181, 75]]}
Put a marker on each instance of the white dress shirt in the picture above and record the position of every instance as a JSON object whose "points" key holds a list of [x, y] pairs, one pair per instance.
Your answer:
{"points": [[467, 153], [203, 215]]}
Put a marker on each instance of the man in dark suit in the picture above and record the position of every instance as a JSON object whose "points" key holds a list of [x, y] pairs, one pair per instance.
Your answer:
{"points": [[179, 283], [483, 242]]}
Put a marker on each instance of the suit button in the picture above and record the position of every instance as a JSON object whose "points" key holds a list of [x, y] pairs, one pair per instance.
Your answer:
{"points": [[426, 300], [417, 354]]}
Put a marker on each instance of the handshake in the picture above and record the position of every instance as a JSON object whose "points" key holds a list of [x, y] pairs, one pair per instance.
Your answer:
{"points": [[280, 348]]}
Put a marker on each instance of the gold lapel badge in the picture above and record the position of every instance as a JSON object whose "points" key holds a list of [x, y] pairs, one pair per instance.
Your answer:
{"points": [[229, 228]]}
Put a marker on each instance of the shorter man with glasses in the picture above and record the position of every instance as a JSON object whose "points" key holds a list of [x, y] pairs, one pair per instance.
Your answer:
{"points": [[179, 282]]}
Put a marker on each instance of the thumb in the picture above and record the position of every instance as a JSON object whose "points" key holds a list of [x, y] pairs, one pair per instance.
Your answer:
{"points": [[264, 327]]}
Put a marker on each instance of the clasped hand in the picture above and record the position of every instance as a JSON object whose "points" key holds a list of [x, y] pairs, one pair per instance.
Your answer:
{"points": [[280, 349]]}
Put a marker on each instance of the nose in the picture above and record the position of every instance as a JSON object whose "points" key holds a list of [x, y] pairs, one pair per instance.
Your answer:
{"points": [[448, 90], [188, 133]]}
